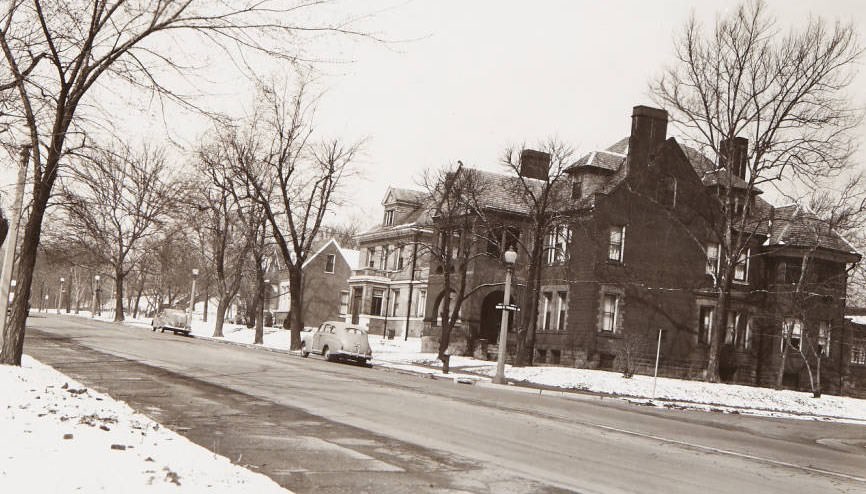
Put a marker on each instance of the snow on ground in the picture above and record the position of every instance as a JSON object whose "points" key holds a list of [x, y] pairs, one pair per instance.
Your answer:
{"points": [[58, 436], [407, 356]]}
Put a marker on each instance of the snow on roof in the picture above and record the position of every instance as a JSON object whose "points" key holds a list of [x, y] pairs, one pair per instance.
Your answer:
{"points": [[352, 257]]}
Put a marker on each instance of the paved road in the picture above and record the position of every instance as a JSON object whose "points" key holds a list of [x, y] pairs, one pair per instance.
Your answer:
{"points": [[315, 426]]}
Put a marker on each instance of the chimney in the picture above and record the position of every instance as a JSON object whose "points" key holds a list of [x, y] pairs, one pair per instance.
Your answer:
{"points": [[648, 130], [734, 155], [534, 164]]}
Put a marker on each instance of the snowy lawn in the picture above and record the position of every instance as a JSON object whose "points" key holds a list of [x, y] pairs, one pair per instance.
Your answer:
{"points": [[59, 436], [407, 356]]}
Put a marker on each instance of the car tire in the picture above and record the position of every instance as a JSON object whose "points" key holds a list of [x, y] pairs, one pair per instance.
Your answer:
{"points": [[326, 352], [304, 352]]}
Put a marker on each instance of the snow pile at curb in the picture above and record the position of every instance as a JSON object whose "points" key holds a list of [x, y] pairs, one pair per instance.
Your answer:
{"points": [[59, 436], [680, 393]]}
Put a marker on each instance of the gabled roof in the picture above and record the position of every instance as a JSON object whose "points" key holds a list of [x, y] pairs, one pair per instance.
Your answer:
{"points": [[797, 226], [712, 175], [409, 196], [497, 190], [604, 160], [345, 253]]}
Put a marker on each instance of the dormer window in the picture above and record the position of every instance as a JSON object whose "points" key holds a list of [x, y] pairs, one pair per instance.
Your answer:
{"points": [[389, 217]]}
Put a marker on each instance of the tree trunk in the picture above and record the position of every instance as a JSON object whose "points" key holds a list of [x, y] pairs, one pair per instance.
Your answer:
{"points": [[526, 337], [717, 336], [222, 306], [13, 334], [206, 298], [138, 292], [259, 305], [296, 306], [69, 292], [118, 296], [780, 374]]}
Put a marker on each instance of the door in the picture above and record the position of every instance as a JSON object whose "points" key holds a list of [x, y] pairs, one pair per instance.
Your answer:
{"points": [[357, 295]]}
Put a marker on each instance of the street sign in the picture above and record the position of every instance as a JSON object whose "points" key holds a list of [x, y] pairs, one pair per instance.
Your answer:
{"points": [[507, 307]]}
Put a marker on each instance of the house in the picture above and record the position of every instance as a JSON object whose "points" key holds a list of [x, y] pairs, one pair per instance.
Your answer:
{"points": [[388, 291], [326, 288], [634, 261]]}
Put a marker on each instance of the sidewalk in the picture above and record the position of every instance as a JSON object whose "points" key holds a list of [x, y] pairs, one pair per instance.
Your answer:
{"points": [[59, 436], [406, 356]]}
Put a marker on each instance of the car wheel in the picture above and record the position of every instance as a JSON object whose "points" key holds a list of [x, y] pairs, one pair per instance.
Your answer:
{"points": [[326, 352], [304, 352]]}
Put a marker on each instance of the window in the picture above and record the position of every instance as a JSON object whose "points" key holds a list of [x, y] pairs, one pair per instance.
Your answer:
{"points": [[395, 302], [421, 303], [576, 190], [376, 303], [546, 310], [713, 259], [556, 244], [617, 242], [371, 257], [667, 192], [610, 313], [705, 324], [731, 327], [389, 217], [824, 338], [741, 269], [858, 352], [562, 306], [747, 335], [344, 302], [330, 262], [401, 258], [383, 257], [793, 270], [792, 331], [552, 310]]}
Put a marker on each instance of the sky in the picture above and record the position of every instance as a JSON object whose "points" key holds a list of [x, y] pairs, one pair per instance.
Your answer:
{"points": [[463, 80], [486, 75]]}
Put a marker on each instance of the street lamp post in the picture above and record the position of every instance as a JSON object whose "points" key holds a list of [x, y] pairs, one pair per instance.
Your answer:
{"points": [[60, 295], [510, 257], [97, 305], [192, 297]]}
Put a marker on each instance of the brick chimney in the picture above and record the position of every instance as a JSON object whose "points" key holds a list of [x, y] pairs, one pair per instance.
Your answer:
{"points": [[734, 155], [534, 164], [648, 130]]}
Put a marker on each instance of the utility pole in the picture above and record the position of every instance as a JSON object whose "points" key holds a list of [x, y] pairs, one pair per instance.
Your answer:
{"points": [[12, 241], [656, 371]]}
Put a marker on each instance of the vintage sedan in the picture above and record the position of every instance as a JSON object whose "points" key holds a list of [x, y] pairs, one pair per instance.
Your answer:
{"points": [[174, 320], [337, 340]]}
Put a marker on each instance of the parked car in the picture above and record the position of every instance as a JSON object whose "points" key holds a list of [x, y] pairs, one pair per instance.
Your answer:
{"points": [[171, 319], [337, 340]]}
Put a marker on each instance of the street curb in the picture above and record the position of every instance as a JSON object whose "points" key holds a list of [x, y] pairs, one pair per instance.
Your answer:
{"points": [[540, 390]]}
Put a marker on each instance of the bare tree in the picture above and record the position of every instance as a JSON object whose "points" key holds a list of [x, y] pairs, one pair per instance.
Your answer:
{"points": [[220, 233], [58, 52], [784, 93], [543, 198], [293, 177], [459, 222], [114, 201]]}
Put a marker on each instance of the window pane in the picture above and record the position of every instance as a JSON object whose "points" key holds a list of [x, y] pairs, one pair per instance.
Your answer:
{"points": [[617, 234]]}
